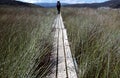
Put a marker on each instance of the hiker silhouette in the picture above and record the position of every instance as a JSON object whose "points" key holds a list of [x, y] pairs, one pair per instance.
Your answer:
{"points": [[58, 6]]}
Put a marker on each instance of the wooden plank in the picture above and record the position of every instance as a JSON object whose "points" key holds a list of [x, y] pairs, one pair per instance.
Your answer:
{"points": [[61, 20], [56, 25], [63, 63], [70, 64], [61, 58]]}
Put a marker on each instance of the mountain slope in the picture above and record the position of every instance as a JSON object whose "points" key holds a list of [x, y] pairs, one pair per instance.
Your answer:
{"points": [[111, 3], [16, 3]]}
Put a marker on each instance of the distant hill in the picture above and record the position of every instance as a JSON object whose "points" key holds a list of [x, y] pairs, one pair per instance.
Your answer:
{"points": [[111, 3], [16, 3], [49, 5]]}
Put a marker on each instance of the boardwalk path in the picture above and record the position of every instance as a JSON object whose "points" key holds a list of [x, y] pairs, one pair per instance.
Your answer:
{"points": [[64, 65]]}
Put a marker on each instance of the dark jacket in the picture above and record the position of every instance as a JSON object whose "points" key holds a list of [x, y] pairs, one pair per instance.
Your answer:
{"points": [[58, 5]]}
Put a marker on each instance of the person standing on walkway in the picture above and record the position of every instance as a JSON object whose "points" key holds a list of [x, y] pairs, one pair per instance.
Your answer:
{"points": [[58, 6]]}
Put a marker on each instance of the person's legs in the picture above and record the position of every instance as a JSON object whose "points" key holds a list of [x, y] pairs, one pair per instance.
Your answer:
{"points": [[58, 10]]}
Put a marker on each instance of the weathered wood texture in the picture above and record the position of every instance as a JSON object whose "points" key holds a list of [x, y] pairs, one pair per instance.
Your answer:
{"points": [[63, 62]]}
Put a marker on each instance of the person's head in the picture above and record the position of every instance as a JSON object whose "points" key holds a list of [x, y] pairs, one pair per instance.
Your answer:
{"points": [[58, 0]]}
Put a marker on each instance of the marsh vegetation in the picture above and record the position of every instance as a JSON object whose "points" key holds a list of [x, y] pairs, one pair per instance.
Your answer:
{"points": [[25, 41], [94, 36]]}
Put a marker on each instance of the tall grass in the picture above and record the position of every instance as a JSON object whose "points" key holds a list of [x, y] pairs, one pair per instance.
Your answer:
{"points": [[94, 36], [25, 42]]}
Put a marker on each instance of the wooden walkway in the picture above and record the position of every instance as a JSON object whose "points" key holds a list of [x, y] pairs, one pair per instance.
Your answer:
{"points": [[64, 65]]}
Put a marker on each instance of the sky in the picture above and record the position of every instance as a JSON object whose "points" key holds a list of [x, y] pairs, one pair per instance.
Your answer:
{"points": [[64, 1]]}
